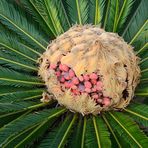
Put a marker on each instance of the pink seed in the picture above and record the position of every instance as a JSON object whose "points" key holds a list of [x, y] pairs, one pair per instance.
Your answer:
{"points": [[71, 73], [67, 85], [74, 87], [81, 87], [95, 96], [58, 73], [93, 76], [87, 84], [53, 66], [66, 75], [62, 79], [99, 83], [93, 81], [81, 78], [75, 80], [94, 89], [86, 77], [99, 88], [99, 100], [88, 90], [65, 67], [61, 67], [76, 92], [106, 101]]}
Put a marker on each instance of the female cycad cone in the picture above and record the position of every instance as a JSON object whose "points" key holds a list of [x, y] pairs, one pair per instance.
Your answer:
{"points": [[89, 70]]}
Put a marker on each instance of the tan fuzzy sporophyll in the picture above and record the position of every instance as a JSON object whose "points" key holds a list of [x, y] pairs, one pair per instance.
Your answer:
{"points": [[89, 70]]}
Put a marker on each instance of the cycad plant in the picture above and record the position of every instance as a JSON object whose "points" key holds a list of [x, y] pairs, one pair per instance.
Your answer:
{"points": [[30, 116]]}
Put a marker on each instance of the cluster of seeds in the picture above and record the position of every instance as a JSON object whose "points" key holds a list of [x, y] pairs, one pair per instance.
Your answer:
{"points": [[89, 84]]}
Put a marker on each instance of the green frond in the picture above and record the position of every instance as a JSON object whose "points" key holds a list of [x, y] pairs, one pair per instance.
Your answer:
{"points": [[75, 139], [144, 62], [18, 21], [142, 49], [142, 90], [17, 106], [77, 11], [141, 37], [19, 137], [12, 44], [57, 137], [16, 63], [97, 134], [112, 15], [7, 117], [96, 8], [138, 112], [123, 14], [52, 13], [38, 16], [59, 14], [137, 25], [24, 122], [36, 53], [83, 134], [112, 132], [127, 129], [6, 90], [106, 14], [21, 95], [39, 130], [13, 78]]}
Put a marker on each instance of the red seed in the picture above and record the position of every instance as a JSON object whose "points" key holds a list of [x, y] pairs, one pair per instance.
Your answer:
{"points": [[99, 88], [93, 81], [75, 92], [106, 101], [53, 66], [93, 76], [81, 78], [81, 87], [66, 75], [99, 83], [71, 73], [67, 85], [65, 67], [62, 79], [99, 100], [74, 87], [88, 90], [58, 73], [86, 77], [95, 96], [75, 80], [94, 89], [87, 84], [61, 67]]}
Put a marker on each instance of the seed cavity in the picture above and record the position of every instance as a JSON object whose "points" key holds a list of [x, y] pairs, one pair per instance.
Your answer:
{"points": [[89, 84]]}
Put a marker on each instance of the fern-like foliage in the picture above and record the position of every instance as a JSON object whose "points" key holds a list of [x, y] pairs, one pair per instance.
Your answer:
{"points": [[77, 11], [136, 30], [13, 78], [127, 129], [26, 27], [15, 19], [57, 137], [21, 95], [24, 122], [139, 113], [96, 8], [97, 134]]}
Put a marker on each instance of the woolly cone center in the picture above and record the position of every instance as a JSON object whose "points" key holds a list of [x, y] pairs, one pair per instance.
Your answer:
{"points": [[89, 70]]}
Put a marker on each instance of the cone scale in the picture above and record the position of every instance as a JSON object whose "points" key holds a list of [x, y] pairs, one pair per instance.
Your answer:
{"points": [[89, 70]]}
